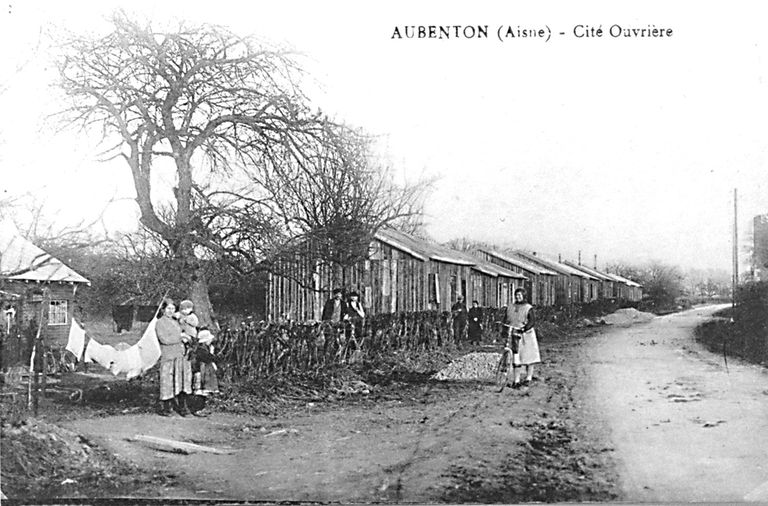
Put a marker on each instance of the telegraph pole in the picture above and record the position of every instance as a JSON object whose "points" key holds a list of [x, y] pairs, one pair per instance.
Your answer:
{"points": [[735, 247], [735, 281]]}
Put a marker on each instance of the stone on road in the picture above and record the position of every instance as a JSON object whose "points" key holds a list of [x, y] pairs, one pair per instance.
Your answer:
{"points": [[685, 428]]}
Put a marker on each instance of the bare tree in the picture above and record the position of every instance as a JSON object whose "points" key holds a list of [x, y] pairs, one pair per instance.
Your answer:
{"points": [[469, 245], [335, 197], [625, 270], [662, 283], [202, 98]]}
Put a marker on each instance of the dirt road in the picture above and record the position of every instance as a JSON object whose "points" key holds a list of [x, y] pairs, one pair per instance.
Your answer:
{"points": [[418, 441], [644, 401], [684, 427]]}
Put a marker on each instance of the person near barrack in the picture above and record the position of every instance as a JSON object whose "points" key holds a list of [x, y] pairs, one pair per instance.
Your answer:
{"points": [[335, 308], [475, 328], [459, 313], [521, 320]]}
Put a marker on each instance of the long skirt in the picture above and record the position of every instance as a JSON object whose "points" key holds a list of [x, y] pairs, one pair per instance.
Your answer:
{"points": [[528, 349], [205, 381], [175, 378], [475, 332]]}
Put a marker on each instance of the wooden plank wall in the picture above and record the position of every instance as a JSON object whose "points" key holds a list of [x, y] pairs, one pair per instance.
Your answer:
{"points": [[29, 306], [531, 285], [390, 281], [394, 281], [451, 277]]}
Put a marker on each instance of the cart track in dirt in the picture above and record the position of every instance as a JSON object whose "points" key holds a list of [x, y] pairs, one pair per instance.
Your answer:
{"points": [[685, 427]]}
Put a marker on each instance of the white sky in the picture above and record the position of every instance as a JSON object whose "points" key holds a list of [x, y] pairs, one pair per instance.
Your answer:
{"points": [[624, 148]]}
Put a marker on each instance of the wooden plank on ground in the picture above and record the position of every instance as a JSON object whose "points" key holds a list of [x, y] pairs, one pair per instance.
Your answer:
{"points": [[174, 446]]}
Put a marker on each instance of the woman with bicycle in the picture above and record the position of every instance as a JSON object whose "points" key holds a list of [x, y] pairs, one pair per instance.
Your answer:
{"points": [[521, 320]]}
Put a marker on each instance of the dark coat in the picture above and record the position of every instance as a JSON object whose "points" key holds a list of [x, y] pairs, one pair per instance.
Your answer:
{"points": [[475, 322], [328, 309], [475, 313], [459, 310]]}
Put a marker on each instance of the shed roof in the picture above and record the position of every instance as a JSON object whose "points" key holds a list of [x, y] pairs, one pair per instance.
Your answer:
{"points": [[592, 272], [554, 265], [445, 254], [613, 277], [403, 242], [422, 249], [626, 280], [536, 269], [496, 270], [425, 250], [23, 261]]}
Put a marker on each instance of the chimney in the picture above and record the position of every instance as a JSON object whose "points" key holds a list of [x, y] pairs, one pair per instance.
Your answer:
{"points": [[595, 262], [559, 258], [579, 257], [533, 253]]}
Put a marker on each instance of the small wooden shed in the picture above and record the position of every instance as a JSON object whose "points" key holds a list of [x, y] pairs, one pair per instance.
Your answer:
{"points": [[620, 287], [573, 284], [539, 283], [401, 274], [393, 278], [630, 290], [448, 272], [37, 285], [605, 282], [493, 285]]}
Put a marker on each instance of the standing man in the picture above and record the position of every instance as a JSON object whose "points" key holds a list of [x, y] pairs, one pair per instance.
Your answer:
{"points": [[335, 309], [459, 312]]}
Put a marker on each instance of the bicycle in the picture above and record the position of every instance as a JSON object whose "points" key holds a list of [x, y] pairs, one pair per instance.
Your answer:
{"points": [[512, 341]]}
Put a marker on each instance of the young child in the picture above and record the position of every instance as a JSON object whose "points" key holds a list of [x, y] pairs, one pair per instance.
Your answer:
{"points": [[188, 321], [205, 381], [200, 339]]}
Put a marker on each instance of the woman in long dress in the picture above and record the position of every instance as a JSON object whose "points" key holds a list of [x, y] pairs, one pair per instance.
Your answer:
{"points": [[475, 328], [521, 319], [175, 367]]}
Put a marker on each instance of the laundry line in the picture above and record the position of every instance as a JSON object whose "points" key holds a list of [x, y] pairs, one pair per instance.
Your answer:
{"points": [[132, 361]]}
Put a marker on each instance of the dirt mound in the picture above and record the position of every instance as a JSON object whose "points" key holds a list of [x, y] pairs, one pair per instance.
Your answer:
{"points": [[473, 366], [42, 460], [627, 316]]}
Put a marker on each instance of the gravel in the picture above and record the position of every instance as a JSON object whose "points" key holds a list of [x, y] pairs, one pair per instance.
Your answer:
{"points": [[627, 316], [473, 366]]}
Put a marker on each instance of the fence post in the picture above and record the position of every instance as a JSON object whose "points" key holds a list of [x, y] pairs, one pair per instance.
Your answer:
{"points": [[37, 357]]}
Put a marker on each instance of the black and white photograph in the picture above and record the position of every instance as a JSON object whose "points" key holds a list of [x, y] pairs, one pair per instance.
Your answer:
{"points": [[434, 252]]}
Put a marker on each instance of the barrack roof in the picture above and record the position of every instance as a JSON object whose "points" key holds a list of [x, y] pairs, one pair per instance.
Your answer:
{"points": [[536, 269]]}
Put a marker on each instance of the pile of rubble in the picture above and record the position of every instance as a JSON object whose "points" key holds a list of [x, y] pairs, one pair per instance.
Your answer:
{"points": [[627, 316], [473, 366]]}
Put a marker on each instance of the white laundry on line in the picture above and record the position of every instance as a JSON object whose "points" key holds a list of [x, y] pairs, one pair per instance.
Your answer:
{"points": [[76, 340]]}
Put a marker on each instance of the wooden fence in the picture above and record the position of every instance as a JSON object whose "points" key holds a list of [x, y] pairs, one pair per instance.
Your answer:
{"points": [[263, 349]]}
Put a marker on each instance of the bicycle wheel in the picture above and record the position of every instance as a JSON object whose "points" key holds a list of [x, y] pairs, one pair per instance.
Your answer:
{"points": [[501, 371]]}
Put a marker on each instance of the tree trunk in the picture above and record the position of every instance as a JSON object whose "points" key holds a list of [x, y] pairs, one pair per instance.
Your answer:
{"points": [[193, 283], [198, 294]]}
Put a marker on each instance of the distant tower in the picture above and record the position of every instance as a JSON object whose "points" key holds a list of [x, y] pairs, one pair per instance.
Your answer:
{"points": [[760, 253]]}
